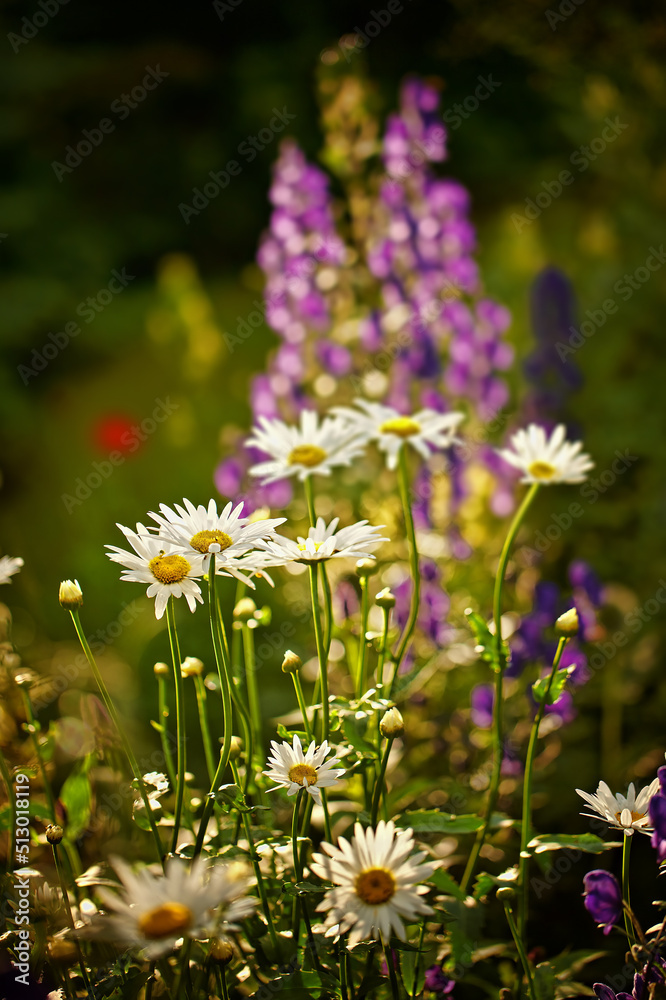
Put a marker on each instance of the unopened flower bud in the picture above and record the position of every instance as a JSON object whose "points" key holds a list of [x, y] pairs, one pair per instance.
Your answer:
{"points": [[191, 667], [161, 670], [392, 724], [505, 893], [245, 609], [567, 624], [25, 679], [365, 567], [291, 663], [70, 595], [385, 598], [222, 952], [54, 833], [236, 748]]}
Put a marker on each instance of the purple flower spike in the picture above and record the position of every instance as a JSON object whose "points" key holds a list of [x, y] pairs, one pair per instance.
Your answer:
{"points": [[603, 900], [657, 811], [436, 980]]}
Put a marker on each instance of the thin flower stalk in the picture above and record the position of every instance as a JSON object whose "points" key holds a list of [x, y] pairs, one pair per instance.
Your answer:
{"points": [[380, 784], [181, 736], [7, 778], [321, 653], [626, 855], [163, 715], [362, 644], [300, 697], [393, 978], [251, 687], [65, 896], [111, 709], [526, 825], [200, 689], [403, 480], [519, 948]]}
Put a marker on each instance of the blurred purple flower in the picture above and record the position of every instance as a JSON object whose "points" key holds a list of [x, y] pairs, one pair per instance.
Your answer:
{"points": [[482, 700], [603, 898]]}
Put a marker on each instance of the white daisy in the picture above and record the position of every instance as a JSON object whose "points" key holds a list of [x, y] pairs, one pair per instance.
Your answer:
{"points": [[376, 883], [325, 542], [292, 769], [547, 460], [426, 431], [627, 813], [167, 571], [303, 450], [8, 567], [155, 911], [202, 530]]}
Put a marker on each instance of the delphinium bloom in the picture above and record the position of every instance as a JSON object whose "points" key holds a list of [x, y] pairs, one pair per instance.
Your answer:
{"points": [[627, 813], [325, 542], [657, 813], [153, 912], [547, 460], [377, 878], [303, 450], [162, 566], [603, 898], [9, 566], [293, 769], [426, 430]]}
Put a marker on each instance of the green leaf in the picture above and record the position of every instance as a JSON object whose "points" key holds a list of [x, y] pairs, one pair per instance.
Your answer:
{"points": [[434, 821], [441, 879], [544, 981], [569, 963], [586, 842], [486, 644], [76, 796], [286, 734], [354, 736], [540, 687]]}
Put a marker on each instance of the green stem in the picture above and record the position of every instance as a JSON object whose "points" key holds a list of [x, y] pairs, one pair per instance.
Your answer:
{"points": [[200, 689], [526, 824], [181, 737], [321, 652], [7, 778], [296, 915], [298, 687], [237, 697], [519, 948], [328, 609], [403, 479], [163, 709], [498, 730], [65, 896], [395, 988], [182, 965], [626, 852], [379, 786], [111, 709], [254, 858], [383, 649], [223, 670], [308, 488], [252, 690], [362, 644], [417, 960]]}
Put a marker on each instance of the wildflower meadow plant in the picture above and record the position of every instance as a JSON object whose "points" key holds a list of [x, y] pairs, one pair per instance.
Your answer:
{"points": [[337, 859]]}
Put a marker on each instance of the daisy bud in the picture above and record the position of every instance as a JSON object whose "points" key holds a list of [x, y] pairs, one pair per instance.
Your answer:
{"points": [[567, 624], [506, 893], [25, 679], [54, 833], [236, 748], [292, 663], [392, 724], [191, 667], [161, 670], [366, 567], [222, 952], [385, 598], [70, 595], [245, 609]]}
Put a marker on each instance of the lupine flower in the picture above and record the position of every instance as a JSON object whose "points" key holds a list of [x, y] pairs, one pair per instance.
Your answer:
{"points": [[376, 877], [167, 571], [9, 566], [603, 898], [155, 911], [436, 980], [626, 813], [657, 812], [326, 542], [303, 450], [425, 431], [292, 769], [547, 460], [554, 376]]}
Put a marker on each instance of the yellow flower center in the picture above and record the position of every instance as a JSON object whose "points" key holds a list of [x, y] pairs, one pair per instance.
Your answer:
{"points": [[542, 470], [375, 886], [303, 774], [167, 920], [403, 427], [169, 569], [204, 539], [307, 454], [634, 816]]}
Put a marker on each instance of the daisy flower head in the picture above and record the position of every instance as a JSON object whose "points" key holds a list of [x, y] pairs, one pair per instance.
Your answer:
{"points": [[203, 531], [303, 450], [325, 542], [153, 912], [376, 877], [544, 459], [426, 431], [9, 565], [626, 813], [292, 769], [162, 566]]}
